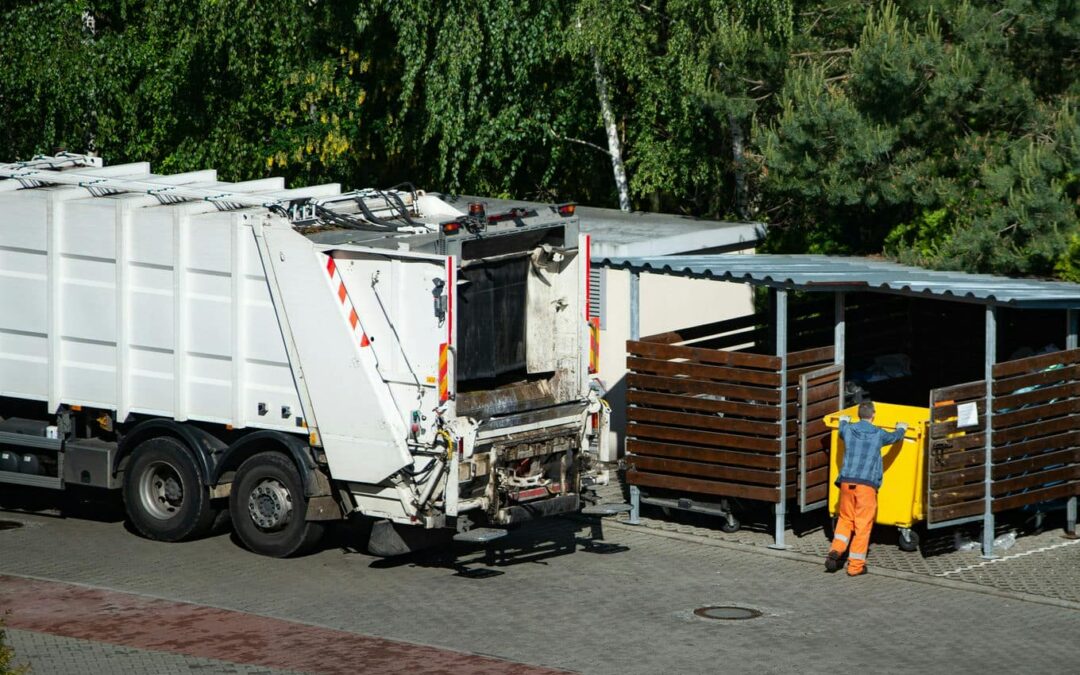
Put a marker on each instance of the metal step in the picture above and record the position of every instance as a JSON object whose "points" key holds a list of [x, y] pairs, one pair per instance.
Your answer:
{"points": [[480, 535], [606, 509]]}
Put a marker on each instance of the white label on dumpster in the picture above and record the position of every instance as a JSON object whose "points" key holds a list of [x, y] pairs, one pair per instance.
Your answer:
{"points": [[967, 415]]}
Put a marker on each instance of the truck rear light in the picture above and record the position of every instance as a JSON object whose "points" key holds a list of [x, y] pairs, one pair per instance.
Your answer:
{"points": [[566, 210], [452, 227]]}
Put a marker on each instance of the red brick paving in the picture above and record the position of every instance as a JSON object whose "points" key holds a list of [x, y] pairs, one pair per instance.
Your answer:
{"points": [[142, 622]]}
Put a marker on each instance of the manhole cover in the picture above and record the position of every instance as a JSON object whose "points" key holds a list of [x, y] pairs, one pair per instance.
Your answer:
{"points": [[723, 613], [10, 524]]}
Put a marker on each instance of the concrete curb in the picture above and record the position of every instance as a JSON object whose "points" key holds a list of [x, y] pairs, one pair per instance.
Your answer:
{"points": [[876, 571]]}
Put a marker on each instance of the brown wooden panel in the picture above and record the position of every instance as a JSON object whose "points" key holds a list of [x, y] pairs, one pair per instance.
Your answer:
{"points": [[704, 470], [957, 494], [714, 422], [831, 375], [817, 493], [1035, 479], [700, 372], [961, 392], [821, 409], [957, 460], [709, 438], [965, 442], [688, 386], [1025, 365], [1017, 466], [713, 356], [1037, 445], [709, 487], [941, 413], [1036, 496], [816, 427], [1015, 417], [700, 404], [940, 430], [1037, 396], [1041, 378], [946, 479], [732, 457], [941, 514], [806, 356], [817, 459], [817, 476], [705, 330], [829, 393], [1004, 437]]}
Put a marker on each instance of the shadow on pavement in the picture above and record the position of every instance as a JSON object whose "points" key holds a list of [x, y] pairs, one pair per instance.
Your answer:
{"points": [[533, 543]]}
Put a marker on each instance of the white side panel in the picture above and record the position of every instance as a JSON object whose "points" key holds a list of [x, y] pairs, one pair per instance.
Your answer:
{"points": [[24, 348], [362, 432], [393, 297], [89, 311]]}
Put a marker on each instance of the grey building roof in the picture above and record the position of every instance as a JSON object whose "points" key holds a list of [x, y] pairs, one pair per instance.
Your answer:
{"points": [[835, 273], [617, 234]]}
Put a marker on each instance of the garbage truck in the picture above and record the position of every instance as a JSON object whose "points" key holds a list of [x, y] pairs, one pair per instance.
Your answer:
{"points": [[293, 356]]}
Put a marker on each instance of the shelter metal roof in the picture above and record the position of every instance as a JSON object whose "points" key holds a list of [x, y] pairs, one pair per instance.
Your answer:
{"points": [[823, 273]]}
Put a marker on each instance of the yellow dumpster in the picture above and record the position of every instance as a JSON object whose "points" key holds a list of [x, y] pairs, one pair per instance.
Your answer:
{"points": [[901, 499]]}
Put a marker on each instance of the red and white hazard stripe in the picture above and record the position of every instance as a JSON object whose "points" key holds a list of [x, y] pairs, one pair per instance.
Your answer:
{"points": [[347, 308]]}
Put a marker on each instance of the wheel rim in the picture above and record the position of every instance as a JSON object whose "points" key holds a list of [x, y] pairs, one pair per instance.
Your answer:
{"points": [[161, 490], [270, 505]]}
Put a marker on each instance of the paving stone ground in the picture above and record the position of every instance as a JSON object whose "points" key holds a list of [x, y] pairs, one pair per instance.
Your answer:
{"points": [[56, 655], [576, 596], [1041, 563]]}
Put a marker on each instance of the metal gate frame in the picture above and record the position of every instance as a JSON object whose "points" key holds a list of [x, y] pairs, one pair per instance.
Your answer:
{"points": [[803, 404]]}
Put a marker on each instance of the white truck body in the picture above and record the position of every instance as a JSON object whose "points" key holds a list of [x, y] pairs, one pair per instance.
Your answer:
{"points": [[181, 297]]}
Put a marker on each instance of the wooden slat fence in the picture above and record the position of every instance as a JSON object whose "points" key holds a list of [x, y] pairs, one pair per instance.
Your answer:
{"points": [[1035, 439], [705, 420]]}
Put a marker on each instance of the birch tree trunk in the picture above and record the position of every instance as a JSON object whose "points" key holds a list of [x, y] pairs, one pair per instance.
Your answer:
{"points": [[740, 166], [614, 148]]}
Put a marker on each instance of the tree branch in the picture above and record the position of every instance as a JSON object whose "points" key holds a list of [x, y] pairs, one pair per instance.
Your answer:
{"points": [[594, 146]]}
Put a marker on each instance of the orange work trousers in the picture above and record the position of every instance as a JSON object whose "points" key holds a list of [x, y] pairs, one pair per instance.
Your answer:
{"points": [[858, 508]]}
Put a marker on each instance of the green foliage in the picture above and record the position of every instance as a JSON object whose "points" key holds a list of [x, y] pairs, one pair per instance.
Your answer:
{"points": [[941, 133], [934, 142], [7, 656]]}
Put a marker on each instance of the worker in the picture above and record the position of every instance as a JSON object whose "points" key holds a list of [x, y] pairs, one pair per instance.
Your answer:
{"points": [[859, 480]]}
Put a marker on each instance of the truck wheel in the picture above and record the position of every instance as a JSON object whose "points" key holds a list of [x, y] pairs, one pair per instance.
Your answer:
{"points": [[268, 506], [163, 493]]}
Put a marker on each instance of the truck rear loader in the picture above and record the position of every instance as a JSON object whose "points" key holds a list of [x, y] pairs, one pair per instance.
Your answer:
{"points": [[296, 356]]}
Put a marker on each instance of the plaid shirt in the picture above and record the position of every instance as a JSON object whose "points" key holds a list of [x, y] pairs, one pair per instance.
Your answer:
{"points": [[862, 452]]}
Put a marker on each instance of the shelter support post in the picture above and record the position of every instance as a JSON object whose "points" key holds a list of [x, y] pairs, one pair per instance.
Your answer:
{"points": [[988, 420], [780, 511], [839, 336], [635, 334], [1071, 325]]}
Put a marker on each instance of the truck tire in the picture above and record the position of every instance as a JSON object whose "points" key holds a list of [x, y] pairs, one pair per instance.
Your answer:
{"points": [[164, 496], [268, 506]]}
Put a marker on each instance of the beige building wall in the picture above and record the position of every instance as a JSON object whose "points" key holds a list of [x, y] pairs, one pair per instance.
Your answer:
{"points": [[667, 303]]}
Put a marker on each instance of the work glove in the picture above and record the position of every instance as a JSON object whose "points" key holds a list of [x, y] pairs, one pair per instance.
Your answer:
{"points": [[845, 418], [902, 426]]}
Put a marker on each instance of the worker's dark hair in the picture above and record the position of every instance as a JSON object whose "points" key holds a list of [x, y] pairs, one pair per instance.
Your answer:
{"points": [[866, 410]]}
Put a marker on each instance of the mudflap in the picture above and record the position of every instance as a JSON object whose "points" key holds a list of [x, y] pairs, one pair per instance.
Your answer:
{"points": [[390, 539]]}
